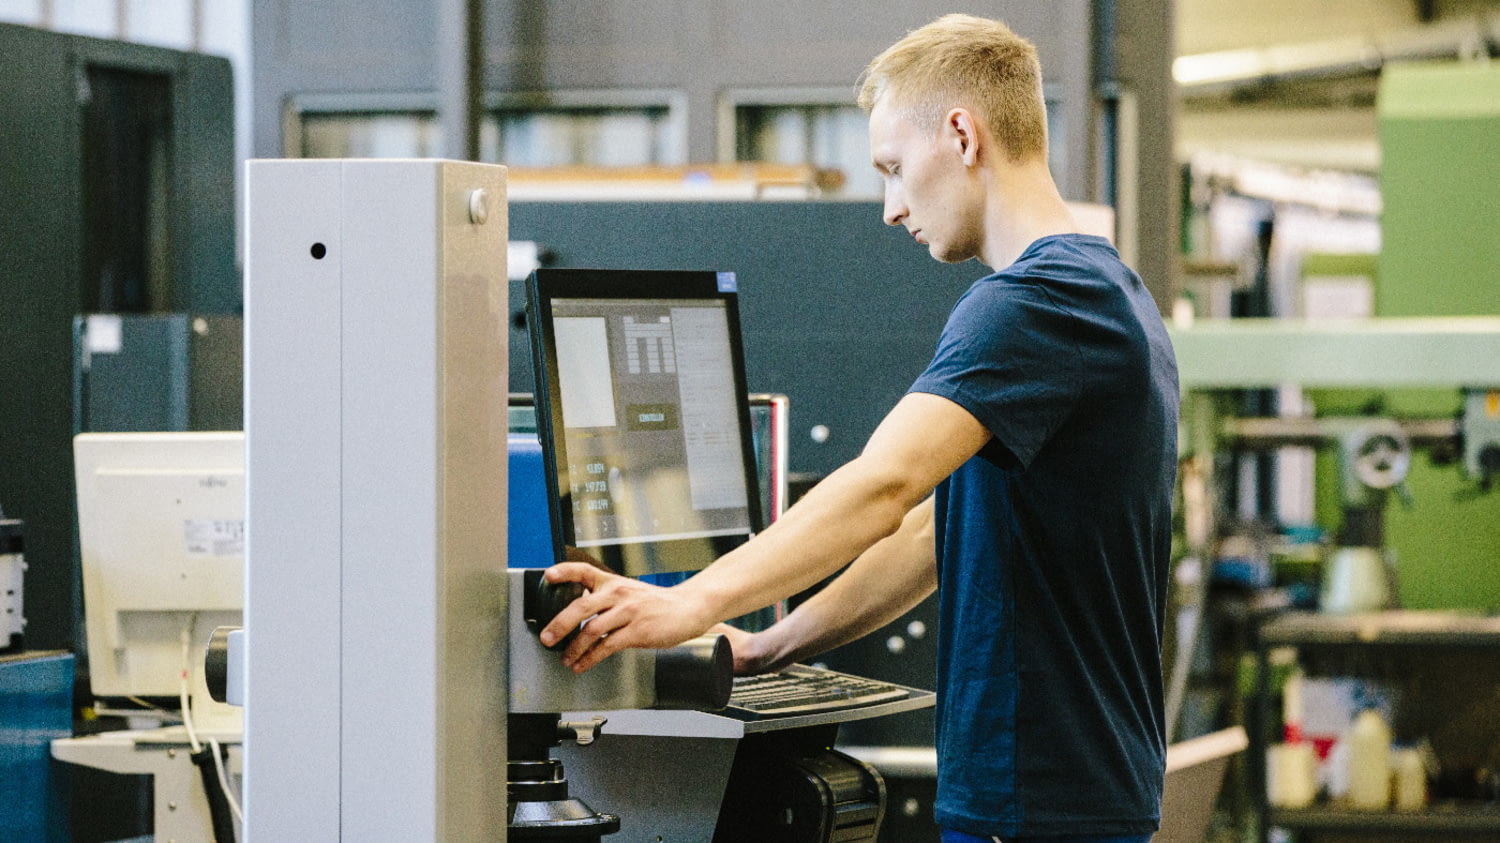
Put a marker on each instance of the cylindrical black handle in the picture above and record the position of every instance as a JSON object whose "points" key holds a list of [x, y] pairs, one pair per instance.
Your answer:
{"points": [[697, 674], [216, 663], [544, 600]]}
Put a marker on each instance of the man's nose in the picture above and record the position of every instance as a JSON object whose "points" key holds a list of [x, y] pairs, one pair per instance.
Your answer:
{"points": [[895, 210]]}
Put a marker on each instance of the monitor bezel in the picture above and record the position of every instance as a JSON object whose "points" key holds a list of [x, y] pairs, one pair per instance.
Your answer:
{"points": [[546, 285]]}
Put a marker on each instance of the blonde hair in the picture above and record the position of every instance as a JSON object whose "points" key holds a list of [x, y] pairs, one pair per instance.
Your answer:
{"points": [[962, 60]]}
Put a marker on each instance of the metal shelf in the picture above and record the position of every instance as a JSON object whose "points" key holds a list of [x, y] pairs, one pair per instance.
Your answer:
{"points": [[1447, 817], [1399, 633], [1411, 628], [1381, 352]]}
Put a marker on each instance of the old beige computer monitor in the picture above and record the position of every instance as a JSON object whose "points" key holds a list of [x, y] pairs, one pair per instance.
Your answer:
{"points": [[161, 533]]}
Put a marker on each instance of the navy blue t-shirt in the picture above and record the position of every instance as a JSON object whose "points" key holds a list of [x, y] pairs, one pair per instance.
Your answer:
{"points": [[1052, 547]]}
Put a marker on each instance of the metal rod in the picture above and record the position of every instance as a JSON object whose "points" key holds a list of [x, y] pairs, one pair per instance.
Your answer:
{"points": [[460, 76], [1270, 433]]}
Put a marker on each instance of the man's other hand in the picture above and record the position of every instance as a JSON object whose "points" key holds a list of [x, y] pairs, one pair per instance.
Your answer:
{"points": [[749, 656]]}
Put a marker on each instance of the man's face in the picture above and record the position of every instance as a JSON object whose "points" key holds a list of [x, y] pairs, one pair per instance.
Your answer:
{"points": [[925, 183]]}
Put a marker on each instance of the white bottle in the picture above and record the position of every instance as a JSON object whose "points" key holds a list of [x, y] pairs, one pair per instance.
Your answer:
{"points": [[1369, 761], [1411, 779]]}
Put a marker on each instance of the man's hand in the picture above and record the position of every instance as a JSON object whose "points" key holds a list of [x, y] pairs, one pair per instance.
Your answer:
{"points": [[619, 612], [749, 657]]}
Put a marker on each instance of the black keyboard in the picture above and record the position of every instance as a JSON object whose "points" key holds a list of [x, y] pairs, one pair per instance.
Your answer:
{"points": [[800, 689]]}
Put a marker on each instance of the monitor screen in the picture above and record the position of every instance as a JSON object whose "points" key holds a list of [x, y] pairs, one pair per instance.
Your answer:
{"points": [[530, 532], [643, 417]]}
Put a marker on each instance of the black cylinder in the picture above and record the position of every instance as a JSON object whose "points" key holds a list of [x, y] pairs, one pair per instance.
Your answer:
{"points": [[698, 674], [216, 663], [542, 601]]}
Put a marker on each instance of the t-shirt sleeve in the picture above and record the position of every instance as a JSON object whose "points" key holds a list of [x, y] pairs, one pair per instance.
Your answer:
{"points": [[1006, 357]]}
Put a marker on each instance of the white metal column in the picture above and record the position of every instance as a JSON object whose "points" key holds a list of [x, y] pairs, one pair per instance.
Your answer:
{"points": [[375, 418]]}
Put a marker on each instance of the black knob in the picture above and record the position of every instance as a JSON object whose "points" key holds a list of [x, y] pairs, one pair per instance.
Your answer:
{"points": [[544, 601], [216, 663], [697, 674]]}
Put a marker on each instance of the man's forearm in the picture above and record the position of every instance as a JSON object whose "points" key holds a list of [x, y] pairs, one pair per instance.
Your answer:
{"points": [[881, 585], [921, 441], [800, 550]]}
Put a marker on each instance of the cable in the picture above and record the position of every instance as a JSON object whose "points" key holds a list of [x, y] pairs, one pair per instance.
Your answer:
{"points": [[234, 804], [187, 713], [222, 807], [219, 813]]}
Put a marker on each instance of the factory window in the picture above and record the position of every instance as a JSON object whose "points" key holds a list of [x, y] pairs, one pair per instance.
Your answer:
{"points": [[392, 134], [825, 136], [609, 137], [518, 131], [821, 128]]}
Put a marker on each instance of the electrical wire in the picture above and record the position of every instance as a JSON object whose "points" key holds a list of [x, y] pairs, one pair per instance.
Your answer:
{"points": [[234, 804], [187, 713], [224, 831]]}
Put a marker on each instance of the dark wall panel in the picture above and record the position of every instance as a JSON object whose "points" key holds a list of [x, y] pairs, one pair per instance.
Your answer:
{"points": [[39, 293], [43, 238]]}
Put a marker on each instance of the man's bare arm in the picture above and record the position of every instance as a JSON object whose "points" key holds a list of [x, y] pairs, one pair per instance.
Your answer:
{"points": [[919, 443], [885, 582]]}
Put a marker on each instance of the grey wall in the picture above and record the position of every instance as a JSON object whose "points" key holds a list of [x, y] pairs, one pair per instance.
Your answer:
{"points": [[1092, 50], [696, 49]]}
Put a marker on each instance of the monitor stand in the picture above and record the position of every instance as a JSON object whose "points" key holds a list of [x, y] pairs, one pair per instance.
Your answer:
{"points": [[675, 774]]}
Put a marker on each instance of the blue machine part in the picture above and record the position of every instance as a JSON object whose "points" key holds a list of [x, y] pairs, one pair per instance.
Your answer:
{"points": [[530, 542], [36, 698]]}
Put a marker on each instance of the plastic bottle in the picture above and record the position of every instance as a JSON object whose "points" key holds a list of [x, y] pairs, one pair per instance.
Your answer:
{"points": [[1411, 779], [1291, 775], [1369, 761]]}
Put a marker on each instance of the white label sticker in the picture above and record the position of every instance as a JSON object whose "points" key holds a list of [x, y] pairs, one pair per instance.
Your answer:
{"points": [[214, 538], [104, 334]]}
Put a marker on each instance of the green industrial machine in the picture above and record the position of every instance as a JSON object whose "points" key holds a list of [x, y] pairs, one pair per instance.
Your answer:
{"points": [[1428, 361], [1440, 167], [1452, 362], [1440, 256]]}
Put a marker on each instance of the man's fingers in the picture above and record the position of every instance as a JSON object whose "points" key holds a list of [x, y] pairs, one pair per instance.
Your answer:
{"points": [[614, 614], [593, 651], [574, 613], [596, 641], [580, 572]]}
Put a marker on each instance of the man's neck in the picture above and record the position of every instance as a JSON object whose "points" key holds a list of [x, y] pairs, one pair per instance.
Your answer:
{"points": [[1024, 207]]}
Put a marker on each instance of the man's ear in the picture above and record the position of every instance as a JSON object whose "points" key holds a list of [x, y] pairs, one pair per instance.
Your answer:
{"points": [[964, 134]]}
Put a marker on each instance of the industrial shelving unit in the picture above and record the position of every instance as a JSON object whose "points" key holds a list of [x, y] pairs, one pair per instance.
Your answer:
{"points": [[1423, 648]]}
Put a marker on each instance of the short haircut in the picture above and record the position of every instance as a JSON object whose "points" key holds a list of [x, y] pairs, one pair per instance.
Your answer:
{"points": [[967, 61]]}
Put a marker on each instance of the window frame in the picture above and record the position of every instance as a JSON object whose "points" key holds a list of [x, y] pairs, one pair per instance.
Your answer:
{"points": [[299, 106]]}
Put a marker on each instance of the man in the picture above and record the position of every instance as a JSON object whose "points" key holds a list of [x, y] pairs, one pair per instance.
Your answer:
{"points": [[1046, 423]]}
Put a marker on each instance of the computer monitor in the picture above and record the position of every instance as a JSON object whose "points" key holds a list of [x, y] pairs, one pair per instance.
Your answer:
{"points": [[643, 417], [161, 532]]}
